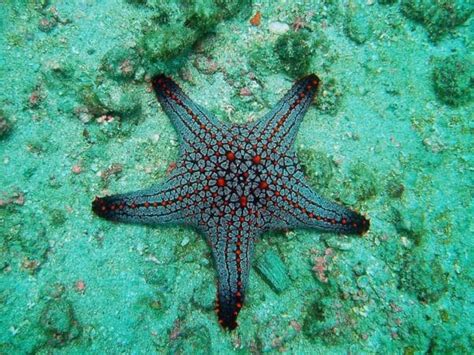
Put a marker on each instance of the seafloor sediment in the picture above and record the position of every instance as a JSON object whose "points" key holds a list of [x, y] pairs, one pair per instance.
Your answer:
{"points": [[389, 134]]}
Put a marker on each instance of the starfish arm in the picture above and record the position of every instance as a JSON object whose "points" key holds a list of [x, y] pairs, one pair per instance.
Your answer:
{"points": [[191, 121], [232, 248], [298, 206], [282, 122], [161, 204]]}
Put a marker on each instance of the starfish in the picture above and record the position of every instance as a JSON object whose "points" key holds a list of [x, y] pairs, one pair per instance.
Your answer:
{"points": [[233, 182]]}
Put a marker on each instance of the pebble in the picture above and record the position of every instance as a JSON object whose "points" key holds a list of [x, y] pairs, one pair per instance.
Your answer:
{"points": [[185, 241], [278, 27], [76, 169]]}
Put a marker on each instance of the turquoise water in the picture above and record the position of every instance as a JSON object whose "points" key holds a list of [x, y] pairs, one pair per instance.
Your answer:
{"points": [[390, 134]]}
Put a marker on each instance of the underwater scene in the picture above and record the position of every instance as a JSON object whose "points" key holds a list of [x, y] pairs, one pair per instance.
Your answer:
{"points": [[236, 177]]}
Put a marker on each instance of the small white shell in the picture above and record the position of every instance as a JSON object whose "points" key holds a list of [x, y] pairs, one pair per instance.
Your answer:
{"points": [[278, 27]]}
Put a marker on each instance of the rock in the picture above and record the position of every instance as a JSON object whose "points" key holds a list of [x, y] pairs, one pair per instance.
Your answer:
{"points": [[273, 271]]}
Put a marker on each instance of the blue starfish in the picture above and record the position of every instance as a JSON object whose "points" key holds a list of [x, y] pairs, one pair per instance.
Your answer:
{"points": [[233, 182]]}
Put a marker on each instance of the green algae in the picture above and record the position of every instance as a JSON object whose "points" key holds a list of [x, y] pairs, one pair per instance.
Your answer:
{"points": [[5, 125], [453, 79], [362, 186], [318, 168], [425, 279], [439, 17], [410, 223], [295, 50], [168, 42], [330, 96], [358, 25], [259, 51], [174, 36], [59, 323], [394, 185]]}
